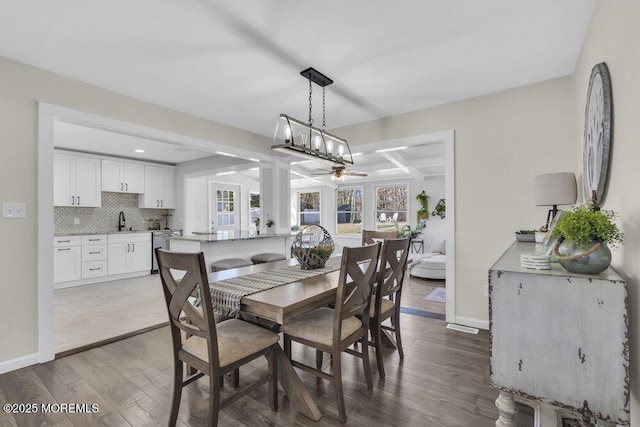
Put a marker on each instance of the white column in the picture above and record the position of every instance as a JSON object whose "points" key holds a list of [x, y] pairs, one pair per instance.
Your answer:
{"points": [[275, 184]]}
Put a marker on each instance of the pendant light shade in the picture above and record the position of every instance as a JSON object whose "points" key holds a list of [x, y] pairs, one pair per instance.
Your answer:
{"points": [[301, 139]]}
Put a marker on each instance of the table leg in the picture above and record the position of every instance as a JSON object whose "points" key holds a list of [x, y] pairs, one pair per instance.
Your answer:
{"points": [[507, 409], [295, 389]]}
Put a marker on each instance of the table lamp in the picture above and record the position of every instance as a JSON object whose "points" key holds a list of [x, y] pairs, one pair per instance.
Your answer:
{"points": [[553, 189]]}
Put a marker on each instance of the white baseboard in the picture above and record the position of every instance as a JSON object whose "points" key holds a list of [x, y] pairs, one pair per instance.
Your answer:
{"points": [[474, 323], [20, 362]]}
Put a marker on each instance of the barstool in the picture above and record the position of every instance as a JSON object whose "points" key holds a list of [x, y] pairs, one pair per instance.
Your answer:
{"points": [[229, 263], [267, 257]]}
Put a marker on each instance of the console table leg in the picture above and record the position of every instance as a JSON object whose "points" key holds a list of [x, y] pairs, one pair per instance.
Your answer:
{"points": [[507, 409]]}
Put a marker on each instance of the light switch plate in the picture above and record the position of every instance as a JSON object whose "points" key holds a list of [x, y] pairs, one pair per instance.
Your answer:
{"points": [[14, 210]]}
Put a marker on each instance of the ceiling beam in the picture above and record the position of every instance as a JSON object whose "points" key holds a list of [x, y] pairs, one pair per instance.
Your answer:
{"points": [[398, 161]]}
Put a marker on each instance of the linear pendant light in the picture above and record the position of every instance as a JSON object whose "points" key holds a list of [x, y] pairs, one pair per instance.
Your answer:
{"points": [[295, 137]]}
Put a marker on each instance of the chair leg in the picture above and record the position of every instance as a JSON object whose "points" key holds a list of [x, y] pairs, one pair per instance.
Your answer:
{"points": [[214, 400], [273, 383], [396, 326], [177, 391], [236, 378], [365, 362], [287, 346], [378, 346], [319, 358], [337, 385]]}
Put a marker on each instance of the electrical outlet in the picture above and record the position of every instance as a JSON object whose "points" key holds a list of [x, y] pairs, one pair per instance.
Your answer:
{"points": [[76, 221], [486, 291]]}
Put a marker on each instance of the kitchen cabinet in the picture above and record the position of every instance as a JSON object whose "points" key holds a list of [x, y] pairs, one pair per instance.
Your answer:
{"points": [[67, 259], [94, 256], [122, 177], [159, 189], [76, 181], [128, 252]]}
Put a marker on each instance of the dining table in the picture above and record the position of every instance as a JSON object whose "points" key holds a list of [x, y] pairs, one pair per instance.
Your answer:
{"points": [[275, 307]]}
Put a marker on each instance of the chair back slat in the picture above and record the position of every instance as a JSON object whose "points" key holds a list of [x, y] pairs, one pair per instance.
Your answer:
{"points": [[355, 285], [369, 237], [183, 274], [393, 267]]}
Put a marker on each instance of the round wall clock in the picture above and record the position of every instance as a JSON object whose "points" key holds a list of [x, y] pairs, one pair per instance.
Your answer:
{"points": [[598, 120]]}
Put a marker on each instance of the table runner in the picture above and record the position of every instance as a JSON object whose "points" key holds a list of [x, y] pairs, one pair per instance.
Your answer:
{"points": [[226, 294]]}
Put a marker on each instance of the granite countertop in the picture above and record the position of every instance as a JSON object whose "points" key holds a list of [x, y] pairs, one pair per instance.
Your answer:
{"points": [[226, 236], [91, 233]]}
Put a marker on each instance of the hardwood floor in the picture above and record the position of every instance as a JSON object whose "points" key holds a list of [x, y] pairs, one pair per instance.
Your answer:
{"points": [[443, 381], [414, 289]]}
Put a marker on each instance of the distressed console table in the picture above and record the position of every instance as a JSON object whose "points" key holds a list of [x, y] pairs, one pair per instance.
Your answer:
{"points": [[558, 339]]}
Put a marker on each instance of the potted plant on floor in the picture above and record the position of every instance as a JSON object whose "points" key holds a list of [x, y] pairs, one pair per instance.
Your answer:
{"points": [[583, 235]]}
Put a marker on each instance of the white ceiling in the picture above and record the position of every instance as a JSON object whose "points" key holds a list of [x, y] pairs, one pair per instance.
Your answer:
{"points": [[238, 62]]}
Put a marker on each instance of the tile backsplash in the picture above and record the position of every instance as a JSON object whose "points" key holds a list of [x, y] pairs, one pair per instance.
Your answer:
{"points": [[105, 218]]}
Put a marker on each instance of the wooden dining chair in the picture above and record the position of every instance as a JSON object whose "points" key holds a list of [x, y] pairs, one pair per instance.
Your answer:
{"points": [[212, 349], [388, 293], [334, 330], [369, 237]]}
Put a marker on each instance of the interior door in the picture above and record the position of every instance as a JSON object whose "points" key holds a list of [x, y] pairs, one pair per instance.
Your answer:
{"points": [[224, 209]]}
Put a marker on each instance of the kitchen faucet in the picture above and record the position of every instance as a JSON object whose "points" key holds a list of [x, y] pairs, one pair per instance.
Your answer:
{"points": [[121, 221]]}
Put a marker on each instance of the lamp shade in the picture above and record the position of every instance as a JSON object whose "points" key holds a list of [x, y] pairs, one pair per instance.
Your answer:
{"points": [[555, 189]]}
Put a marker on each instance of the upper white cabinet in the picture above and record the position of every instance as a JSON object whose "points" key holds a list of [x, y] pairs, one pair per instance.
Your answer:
{"points": [[159, 191], [76, 181], [122, 177]]}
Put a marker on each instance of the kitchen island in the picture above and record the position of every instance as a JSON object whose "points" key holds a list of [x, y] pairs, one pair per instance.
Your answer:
{"points": [[232, 244]]}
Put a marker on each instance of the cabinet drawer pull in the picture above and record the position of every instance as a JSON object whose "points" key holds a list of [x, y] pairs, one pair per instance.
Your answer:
{"points": [[64, 249], [94, 253], [64, 241], [121, 187], [157, 203], [94, 240], [94, 269], [134, 247], [78, 200], [126, 186], [73, 200], [128, 247]]}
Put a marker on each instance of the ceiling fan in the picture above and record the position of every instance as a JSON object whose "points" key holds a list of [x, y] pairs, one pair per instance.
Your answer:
{"points": [[338, 173]]}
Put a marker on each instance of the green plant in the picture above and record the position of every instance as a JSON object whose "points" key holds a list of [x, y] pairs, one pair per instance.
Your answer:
{"points": [[295, 228], [526, 232], [257, 222], [584, 225], [270, 222], [440, 209], [423, 212], [321, 251]]}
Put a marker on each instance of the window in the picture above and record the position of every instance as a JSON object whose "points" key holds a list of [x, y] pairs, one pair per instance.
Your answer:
{"points": [[226, 208], [391, 207], [349, 207], [254, 207], [309, 208]]}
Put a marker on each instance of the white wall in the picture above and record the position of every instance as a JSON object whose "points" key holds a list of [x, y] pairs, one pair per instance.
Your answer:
{"points": [[613, 37], [21, 87], [502, 140]]}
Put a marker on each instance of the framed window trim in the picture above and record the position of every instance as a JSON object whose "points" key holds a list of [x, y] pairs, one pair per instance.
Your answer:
{"points": [[297, 204], [406, 184], [361, 212]]}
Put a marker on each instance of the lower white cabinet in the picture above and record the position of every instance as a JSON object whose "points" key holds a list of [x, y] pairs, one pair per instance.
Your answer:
{"points": [[67, 259], [129, 253], [95, 257]]}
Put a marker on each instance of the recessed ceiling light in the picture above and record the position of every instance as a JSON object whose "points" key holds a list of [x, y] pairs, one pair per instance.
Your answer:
{"points": [[139, 150], [385, 150], [225, 173], [222, 153]]}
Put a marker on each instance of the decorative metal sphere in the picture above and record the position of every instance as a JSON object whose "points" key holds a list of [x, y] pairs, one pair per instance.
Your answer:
{"points": [[312, 247]]}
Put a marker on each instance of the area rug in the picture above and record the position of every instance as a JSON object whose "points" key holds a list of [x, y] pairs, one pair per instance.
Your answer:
{"points": [[438, 295]]}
